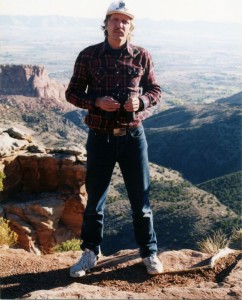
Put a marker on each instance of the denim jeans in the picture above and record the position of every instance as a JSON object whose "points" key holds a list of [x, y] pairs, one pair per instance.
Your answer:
{"points": [[130, 151]]}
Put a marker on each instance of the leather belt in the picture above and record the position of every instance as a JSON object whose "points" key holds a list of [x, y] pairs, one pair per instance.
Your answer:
{"points": [[120, 131], [114, 132]]}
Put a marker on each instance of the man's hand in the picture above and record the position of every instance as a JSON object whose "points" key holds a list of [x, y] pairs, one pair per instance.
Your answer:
{"points": [[132, 104], [107, 103]]}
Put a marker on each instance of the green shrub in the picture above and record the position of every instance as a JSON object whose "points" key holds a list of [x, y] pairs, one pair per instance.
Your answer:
{"points": [[236, 239], [2, 176], [7, 236], [212, 243], [70, 245]]}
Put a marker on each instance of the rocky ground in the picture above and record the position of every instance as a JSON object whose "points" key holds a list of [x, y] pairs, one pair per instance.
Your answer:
{"points": [[121, 276]]}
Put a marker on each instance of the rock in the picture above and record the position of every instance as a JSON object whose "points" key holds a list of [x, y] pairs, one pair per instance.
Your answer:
{"points": [[9, 145], [18, 134], [13, 177], [35, 148], [235, 277], [26, 233], [13, 140], [37, 173], [220, 254], [118, 276], [44, 193], [30, 81], [73, 212], [70, 150], [184, 260], [83, 291], [44, 220], [1, 212], [44, 214]]}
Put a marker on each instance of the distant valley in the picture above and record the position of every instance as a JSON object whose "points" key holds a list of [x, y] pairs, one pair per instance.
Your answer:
{"points": [[200, 141], [195, 62]]}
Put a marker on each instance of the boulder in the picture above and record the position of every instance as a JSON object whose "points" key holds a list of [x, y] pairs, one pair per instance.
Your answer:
{"points": [[9, 145], [18, 134]]}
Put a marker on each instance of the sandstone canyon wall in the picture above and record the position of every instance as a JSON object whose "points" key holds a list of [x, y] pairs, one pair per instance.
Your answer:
{"points": [[44, 191], [28, 80]]}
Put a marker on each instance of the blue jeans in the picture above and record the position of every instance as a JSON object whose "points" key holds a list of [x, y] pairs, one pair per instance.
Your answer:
{"points": [[130, 151]]}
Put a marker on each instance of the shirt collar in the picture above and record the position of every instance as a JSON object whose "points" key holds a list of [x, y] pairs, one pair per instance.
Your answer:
{"points": [[129, 49]]}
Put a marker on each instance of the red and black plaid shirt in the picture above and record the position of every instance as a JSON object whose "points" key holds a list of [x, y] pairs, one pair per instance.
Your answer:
{"points": [[99, 72]]}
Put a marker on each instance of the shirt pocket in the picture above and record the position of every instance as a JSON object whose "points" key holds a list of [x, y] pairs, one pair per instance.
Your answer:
{"points": [[98, 76], [134, 75]]}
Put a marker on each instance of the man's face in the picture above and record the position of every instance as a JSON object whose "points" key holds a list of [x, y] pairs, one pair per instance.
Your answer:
{"points": [[118, 27]]}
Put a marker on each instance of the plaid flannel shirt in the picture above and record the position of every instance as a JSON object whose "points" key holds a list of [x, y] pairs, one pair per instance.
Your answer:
{"points": [[98, 72]]}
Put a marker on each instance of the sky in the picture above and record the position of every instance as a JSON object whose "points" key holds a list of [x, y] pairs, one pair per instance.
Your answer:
{"points": [[175, 10]]}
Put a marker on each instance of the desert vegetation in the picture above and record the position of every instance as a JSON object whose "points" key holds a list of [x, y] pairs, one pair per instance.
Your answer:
{"points": [[227, 189], [2, 176], [7, 236], [69, 245]]}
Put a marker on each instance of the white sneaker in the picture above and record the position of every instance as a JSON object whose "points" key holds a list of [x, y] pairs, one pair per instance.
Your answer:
{"points": [[153, 264], [87, 261]]}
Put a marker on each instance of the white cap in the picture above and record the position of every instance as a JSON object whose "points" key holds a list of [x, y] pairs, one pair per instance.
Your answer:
{"points": [[119, 7]]}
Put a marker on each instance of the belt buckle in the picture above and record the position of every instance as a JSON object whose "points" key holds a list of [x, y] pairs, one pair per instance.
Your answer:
{"points": [[119, 131]]}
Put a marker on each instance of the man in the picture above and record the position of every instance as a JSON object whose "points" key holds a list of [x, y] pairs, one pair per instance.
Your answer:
{"points": [[115, 81]]}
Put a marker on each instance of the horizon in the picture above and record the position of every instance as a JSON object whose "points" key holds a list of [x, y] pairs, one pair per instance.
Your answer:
{"points": [[137, 19], [160, 10]]}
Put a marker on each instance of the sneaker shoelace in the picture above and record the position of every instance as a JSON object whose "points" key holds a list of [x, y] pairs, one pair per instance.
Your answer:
{"points": [[85, 261], [152, 260]]}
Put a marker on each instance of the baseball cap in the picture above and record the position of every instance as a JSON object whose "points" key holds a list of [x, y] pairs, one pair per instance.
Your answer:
{"points": [[119, 7]]}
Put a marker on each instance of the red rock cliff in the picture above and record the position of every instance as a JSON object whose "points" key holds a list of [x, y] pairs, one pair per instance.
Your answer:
{"points": [[44, 191], [28, 80]]}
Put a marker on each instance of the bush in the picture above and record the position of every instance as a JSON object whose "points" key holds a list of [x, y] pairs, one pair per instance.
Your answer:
{"points": [[236, 239], [70, 245], [7, 236], [2, 176], [212, 243]]}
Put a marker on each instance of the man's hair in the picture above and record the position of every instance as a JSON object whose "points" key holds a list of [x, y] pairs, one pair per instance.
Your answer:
{"points": [[105, 23]]}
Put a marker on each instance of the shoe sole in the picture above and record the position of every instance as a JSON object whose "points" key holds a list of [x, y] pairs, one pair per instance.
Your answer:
{"points": [[155, 273], [74, 275]]}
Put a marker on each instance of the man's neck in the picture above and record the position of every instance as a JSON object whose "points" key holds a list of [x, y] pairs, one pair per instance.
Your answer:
{"points": [[117, 44]]}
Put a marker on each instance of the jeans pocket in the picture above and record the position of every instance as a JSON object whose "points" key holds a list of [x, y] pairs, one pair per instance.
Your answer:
{"points": [[136, 132]]}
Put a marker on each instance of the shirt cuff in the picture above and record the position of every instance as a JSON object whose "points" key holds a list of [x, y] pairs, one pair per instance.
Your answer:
{"points": [[144, 103]]}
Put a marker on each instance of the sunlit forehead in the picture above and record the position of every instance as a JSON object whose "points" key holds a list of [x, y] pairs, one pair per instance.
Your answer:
{"points": [[120, 18]]}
